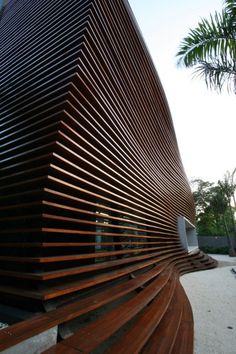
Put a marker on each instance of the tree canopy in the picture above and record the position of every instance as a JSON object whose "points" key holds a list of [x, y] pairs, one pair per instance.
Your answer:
{"points": [[215, 208], [210, 48]]}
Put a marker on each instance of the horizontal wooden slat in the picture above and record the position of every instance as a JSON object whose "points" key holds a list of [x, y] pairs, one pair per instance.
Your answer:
{"points": [[91, 180]]}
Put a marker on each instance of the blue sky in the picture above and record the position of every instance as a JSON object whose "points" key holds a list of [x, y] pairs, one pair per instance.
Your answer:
{"points": [[205, 122]]}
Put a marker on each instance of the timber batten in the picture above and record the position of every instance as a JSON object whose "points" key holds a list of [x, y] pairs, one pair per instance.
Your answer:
{"points": [[91, 178]]}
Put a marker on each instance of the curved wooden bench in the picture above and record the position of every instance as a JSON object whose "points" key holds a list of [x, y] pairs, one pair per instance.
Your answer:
{"points": [[151, 303]]}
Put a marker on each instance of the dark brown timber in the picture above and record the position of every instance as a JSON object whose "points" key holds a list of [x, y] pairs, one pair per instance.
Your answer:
{"points": [[91, 183]]}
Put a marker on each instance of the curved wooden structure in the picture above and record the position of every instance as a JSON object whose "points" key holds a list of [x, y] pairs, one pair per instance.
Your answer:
{"points": [[91, 179]]}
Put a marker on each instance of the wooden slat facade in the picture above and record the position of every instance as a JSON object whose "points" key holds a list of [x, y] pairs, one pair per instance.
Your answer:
{"points": [[91, 177]]}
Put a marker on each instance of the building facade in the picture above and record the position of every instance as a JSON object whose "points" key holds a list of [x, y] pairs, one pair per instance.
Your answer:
{"points": [[96, 209]]}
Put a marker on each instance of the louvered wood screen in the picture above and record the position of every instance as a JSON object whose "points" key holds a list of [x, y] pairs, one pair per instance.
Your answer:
{"points": [[91, 175]]}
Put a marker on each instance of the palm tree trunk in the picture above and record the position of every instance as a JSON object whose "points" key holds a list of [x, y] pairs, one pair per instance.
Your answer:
{"points": [[230, 244], [233, 189]]}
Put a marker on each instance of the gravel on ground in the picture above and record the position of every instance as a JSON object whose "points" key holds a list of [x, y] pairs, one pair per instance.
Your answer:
{"points": [[212, 294]]}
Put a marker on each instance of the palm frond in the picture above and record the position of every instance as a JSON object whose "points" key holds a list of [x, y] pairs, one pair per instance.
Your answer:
{"points": [[211, 49], [218, 73], [208, 39], [230, 7]]}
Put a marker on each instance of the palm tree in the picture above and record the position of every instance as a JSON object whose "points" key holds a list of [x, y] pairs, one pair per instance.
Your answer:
{"points": [[233, 184], [220, 205], [211, 48]]}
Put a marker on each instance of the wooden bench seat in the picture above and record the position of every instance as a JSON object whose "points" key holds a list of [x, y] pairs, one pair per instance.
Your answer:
{"points": [[90, 337], [148, 321], [68, 312], [156, 327], [151, 302], [184, 339]]}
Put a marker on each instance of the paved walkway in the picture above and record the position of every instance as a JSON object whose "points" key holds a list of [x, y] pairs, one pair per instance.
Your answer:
{"points": [[212, 294]]}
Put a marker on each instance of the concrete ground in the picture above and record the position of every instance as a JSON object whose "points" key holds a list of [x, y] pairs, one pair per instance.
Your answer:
{"points": [[212, 294]]}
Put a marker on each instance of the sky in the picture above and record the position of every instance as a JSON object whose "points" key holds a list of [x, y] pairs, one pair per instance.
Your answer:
{"points": [[204, 121]]}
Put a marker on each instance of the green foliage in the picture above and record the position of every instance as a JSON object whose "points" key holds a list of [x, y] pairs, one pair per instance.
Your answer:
{"points": [[215, 250], [214, 212], [211, 48], [208, 226]]}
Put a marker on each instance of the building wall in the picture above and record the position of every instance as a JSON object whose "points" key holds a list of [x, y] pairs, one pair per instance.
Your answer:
{"points": [[213, 241], [91, 170]]}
